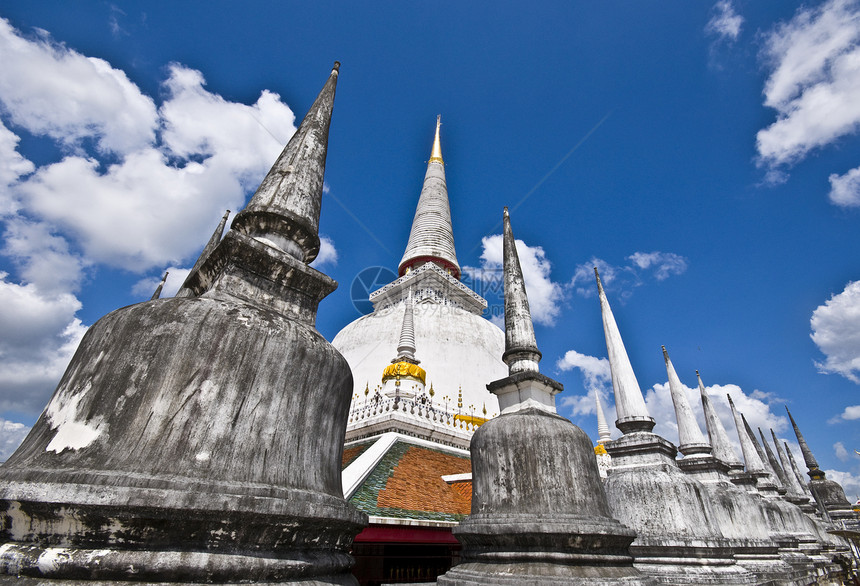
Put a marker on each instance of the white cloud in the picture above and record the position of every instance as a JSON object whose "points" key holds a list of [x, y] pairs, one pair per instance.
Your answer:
{"points": [[755, 406], [175, 277], [42, 257], [664, 264], [622, 280], [133, 185], [814, 83], [172, 168], [836, 332], [327, 255], [12, 165], [850, 482], [841, 452], [597, 379], [148, 211], [725, 23], [39, 335], [55, 91], [11, 436], [545, 296], [850, 414], [845, 189]]}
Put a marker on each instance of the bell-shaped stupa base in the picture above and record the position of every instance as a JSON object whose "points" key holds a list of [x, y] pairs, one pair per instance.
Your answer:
{"points": [[679, 540], [190, 440], [539, 511]]}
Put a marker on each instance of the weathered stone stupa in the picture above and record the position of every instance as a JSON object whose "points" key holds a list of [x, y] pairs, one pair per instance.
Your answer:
{"points": [[679, 539], [738, 514], [830, 495], [199, 438], [539, 512]]}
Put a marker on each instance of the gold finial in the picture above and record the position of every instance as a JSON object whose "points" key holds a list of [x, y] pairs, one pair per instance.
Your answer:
{"points": [[460, 398], [366, 388], [485, 409], [436, 154], [432, 392]]}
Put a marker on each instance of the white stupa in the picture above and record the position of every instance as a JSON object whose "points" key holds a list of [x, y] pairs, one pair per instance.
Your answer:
{"points": [[426, 340]]}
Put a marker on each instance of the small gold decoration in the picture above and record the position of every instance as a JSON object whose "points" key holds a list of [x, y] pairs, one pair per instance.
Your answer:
{"points": [[404, 369]]}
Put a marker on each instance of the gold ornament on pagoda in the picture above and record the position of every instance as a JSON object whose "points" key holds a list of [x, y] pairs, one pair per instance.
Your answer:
{"points": [[404, 369]]}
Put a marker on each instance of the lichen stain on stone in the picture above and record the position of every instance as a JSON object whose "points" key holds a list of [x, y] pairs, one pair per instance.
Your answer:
{"points": [[71, 433]]}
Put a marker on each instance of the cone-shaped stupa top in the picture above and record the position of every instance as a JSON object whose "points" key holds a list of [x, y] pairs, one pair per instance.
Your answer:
{"points": [[721, 447], [432, 236], [811, 463], [207, 250], [759, 450], [405, 364], [774, 463], [158, 289], [690, 438], [603, 433], [436, 153], [792, 483], [284, 212], [752, 460], [525, 387], [521, 351], [406, 346], [796, 470], [629, 403]]}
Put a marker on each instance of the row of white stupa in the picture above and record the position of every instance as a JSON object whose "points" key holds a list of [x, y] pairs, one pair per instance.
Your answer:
{"points": [[703, 519], [706, 516]]}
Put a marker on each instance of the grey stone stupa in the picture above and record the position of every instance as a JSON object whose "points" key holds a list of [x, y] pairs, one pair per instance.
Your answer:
{"points": [[829, 494], [739, 514], [679, 539], [539, 512], [798, 538], [199, 438]]}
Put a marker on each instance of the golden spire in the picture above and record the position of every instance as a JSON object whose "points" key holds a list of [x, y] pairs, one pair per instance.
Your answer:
{"points": [[436, 154]]}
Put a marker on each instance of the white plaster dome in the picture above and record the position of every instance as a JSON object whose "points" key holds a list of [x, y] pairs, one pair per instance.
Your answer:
{"points": [[456, 348]]}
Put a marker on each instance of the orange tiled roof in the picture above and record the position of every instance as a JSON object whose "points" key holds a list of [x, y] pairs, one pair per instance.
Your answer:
{"points": [[353, 452], [416, 483], [463, 495], [407, 483]]}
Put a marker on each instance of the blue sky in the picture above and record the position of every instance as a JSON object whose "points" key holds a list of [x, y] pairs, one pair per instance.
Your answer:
{"points": [[704, 155]]}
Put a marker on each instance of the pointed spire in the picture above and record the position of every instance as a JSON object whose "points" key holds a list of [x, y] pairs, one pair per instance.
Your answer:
{"points": [[436, 153], [811, 463], [796, 470], [284, 212], [774, 463], [752, 460], [432, 236], [759, 450], [769, 472], [721, 447], [158, 289], [406, 347], [603, 433], [792, 483], [629, 403], [690, 438], [185, 291], [521, 351]]}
